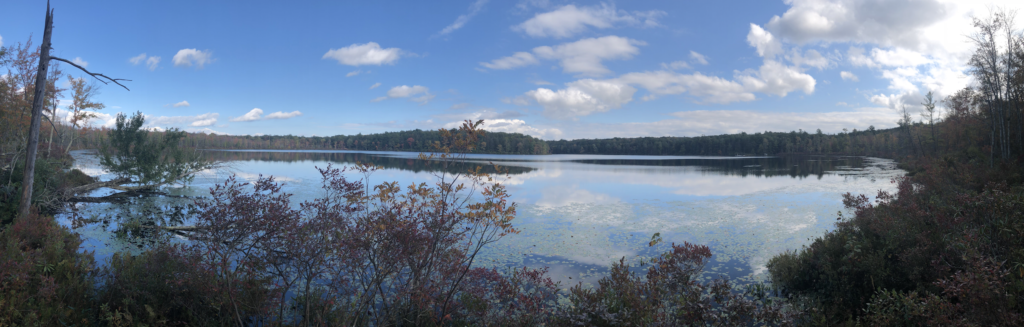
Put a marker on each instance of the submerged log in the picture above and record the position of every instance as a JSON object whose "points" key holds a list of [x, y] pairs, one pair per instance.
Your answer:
{"points": [[93, 186], [116, 197], [141, 188]]}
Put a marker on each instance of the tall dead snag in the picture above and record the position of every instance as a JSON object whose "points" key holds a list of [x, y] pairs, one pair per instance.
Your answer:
{"points": [[37, 111]]}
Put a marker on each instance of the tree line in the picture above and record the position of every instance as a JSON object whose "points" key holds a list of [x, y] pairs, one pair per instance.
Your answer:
{"points": [[875, 142], [412, 141]]}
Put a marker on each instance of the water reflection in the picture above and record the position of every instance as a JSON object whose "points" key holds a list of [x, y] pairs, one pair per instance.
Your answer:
{"points": [[792, 166], [579, 213], [388, 160]]}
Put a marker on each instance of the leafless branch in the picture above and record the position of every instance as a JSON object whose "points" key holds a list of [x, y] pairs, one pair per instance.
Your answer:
{"points": [[96, 75]]}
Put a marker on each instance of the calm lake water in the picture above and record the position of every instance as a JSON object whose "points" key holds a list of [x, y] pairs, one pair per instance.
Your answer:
{"points": [[577, 213]]}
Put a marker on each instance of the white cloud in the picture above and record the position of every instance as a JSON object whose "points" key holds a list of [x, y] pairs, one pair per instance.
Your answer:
{"points": [[483, 113], [900, 79], [715, 122], [584, 56], [257, 114], [353, 73], [810, 58], [375, 85], [97, 119], [898, 57], [698, 58], [1, 41], [512, 126], [252, 115], [80, 62], [888, 23], [944, 80], [181, 104], [283, 115], [463, 19], [710, 89], [520, 126], [767, 45], [570, 20], [137, 59], [405, 91], [772, 77], [519, 59], [189, 57], [152, 63], [927, 35], [775, 78], [161, 123], [911, 99], [364, 54], [857, 58], [581, 98], [208, 131], [423, 99], [695, 58], [205, 120], [675, 65], [848, 76]]}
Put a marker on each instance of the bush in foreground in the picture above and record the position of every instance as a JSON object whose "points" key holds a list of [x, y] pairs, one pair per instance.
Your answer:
{"points": [[44, 279], [946, 248]]}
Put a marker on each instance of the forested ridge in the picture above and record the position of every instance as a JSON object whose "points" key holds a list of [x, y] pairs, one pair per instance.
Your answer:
{"points": [[413, 141], [875, 142]]}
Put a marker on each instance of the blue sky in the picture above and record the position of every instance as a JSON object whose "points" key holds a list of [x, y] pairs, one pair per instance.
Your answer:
{"points": [[552, 69]]}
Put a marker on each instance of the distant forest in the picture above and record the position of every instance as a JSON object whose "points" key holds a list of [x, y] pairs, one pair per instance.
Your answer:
{"points": [[908, 138]]}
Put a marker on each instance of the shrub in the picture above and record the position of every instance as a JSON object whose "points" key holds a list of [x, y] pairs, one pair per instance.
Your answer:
{"points": [[951, 234], [176, 285], [44, 279], [391, 256], [672, 294], [516, 297], [46, 196]]}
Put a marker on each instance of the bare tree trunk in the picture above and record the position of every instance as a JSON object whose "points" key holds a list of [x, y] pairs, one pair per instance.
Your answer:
{"points": [[53, 127], [992, 140], [72, 141], [37, 112]]}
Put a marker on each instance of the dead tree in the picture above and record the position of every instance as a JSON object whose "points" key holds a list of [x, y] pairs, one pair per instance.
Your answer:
{"points": [[37, 111]]}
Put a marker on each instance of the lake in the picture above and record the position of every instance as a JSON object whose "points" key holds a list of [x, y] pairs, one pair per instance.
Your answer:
{"points": [[577, 213]]}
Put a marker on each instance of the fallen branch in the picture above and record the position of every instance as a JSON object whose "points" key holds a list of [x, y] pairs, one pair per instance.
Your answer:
{"points": [[98, 199], [140, 188], [93, 186]]}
